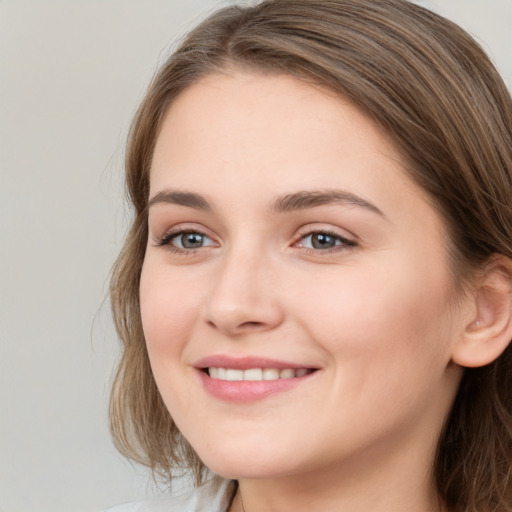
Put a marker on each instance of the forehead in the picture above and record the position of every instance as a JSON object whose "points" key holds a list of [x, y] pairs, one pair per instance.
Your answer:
{"points": [[250, 120]]}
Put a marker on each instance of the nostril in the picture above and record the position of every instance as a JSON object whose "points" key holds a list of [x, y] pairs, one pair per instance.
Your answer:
{"points": [[251, 324], [238, 327]]}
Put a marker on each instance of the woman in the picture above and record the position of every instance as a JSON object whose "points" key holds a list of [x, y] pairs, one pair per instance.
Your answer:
{"points": [[315, 296]]}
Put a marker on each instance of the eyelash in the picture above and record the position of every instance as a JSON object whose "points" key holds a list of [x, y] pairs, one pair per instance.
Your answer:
{"points": [[345, 243], [167, 238]]}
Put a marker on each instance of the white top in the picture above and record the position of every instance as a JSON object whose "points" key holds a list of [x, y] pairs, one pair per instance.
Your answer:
{"points": [[214, 496]]}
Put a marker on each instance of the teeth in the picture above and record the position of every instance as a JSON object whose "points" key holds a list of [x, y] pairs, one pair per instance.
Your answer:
{"points": [[270, 374], [255, 374], [234, 374]]}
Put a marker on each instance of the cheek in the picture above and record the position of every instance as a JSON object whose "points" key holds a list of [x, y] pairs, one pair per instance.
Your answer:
{"points": [[387, 336], [169, 310], [168, 313], [399, 318]]}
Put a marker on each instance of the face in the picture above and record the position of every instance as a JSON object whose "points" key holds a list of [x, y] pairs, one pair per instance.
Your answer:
{"points": [[295, 292]]}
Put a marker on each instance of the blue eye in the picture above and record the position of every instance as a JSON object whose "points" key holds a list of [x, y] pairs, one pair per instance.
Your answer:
{"points": [[322, 240], [184, 241], [190, 240]]}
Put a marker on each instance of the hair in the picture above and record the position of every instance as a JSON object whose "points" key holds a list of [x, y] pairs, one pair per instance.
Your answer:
{"points": [[436, 94]]}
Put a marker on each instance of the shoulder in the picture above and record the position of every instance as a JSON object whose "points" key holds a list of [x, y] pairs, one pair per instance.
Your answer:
{"points": [[214, 496]]}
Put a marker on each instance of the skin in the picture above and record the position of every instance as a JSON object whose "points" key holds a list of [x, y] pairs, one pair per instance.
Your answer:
{"points": [[374, 314]]}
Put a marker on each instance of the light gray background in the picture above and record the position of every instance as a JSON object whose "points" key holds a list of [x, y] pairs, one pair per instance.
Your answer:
{"points": [[71, 76]]}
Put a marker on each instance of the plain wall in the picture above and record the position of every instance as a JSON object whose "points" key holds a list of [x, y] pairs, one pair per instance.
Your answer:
{"points": [[71, 75]]}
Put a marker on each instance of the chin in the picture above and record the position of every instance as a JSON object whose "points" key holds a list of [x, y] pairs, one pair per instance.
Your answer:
{"points": [[250, 461]]}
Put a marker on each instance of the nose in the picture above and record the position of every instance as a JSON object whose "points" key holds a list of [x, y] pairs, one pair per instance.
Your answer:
{"points": [[244, 297]]}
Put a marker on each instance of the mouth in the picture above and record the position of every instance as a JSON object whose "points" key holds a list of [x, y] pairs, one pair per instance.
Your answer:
{"points": [[248, 379], [255, 374]]}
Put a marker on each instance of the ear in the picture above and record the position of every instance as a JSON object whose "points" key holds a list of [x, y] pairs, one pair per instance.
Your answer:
{"points": [[489, 329]]}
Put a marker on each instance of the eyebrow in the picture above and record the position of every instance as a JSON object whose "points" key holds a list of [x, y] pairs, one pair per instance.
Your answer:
{"points": [[311, 198], [189, 199], [301, 200]]}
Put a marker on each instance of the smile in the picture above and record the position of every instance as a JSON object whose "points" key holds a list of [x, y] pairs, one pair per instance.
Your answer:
{"points": [[256, 374], [250, 379]]}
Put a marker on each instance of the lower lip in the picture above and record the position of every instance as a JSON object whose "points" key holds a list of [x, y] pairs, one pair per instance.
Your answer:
{"points": [[246, 391]]}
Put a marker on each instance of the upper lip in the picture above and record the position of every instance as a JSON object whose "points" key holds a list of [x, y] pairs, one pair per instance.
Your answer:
{"points": [[246, 363]]}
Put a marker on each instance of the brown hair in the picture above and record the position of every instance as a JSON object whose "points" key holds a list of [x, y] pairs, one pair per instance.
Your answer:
{"points": [[443, 104]]}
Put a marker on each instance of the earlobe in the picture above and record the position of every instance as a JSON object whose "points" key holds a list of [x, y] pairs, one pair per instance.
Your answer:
{"points": [[489, 331]]}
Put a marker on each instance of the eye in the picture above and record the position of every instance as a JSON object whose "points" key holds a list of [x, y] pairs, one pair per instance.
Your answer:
{"points": [[190, 240], [186, 240], [323, 240]]}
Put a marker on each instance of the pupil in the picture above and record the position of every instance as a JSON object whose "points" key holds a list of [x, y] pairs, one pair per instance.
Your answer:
{"points": [[322, 241], [192, 240]]}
